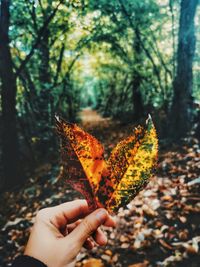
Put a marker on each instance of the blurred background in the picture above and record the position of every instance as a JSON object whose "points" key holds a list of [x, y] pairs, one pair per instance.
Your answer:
{"points": [[105, 65]]}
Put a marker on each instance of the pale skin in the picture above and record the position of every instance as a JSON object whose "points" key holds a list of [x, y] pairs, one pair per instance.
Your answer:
{"points": [[60, 232]]}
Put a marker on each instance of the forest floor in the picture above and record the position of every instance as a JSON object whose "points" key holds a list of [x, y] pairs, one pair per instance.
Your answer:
{"points": [[160, 227]]}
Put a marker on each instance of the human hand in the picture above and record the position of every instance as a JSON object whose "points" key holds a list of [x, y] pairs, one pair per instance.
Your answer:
{"points": [[58, 234]]}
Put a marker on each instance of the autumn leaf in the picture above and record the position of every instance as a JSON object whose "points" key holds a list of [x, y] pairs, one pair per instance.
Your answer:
{"points": [[113, 183], [117, 165], [82, 159], [139, 156]]}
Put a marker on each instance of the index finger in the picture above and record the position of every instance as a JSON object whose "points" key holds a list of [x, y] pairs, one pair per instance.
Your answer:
{"points": [[68, 212]]}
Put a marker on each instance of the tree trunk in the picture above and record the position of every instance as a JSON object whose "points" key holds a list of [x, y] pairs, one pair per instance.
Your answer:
{"points": [[45, 99], [45, 102], [136, 93], [10, 149], [45, 79], [181, 111]]}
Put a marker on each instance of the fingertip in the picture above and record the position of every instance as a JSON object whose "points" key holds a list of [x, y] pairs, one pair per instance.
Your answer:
{"points": [[89, 244], [105, 218], [101, 215], [100, 237], [102, 240], [110, 222]]}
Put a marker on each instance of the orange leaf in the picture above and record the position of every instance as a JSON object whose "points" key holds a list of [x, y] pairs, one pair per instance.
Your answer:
{"points": [[113, 183], [82, 158]]}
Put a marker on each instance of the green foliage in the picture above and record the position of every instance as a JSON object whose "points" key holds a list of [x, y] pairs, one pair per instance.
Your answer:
{"points": [[72, 54]]}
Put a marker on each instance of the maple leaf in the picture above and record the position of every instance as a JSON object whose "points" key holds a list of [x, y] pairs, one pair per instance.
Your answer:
{"points": [[113, 183]]}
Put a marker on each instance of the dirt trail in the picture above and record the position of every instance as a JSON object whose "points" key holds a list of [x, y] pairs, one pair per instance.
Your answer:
{"points": [[91, 118]]}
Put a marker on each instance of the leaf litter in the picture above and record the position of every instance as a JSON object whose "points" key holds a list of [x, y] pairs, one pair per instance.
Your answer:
{"points": [[160, 227]]}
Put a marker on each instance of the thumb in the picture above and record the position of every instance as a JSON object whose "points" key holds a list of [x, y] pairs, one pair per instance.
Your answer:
{"points": [[88, 225]]}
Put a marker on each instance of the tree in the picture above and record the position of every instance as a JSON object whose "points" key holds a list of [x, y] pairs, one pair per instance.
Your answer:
{"points": [[8, 78], [138, 105], [10, 148], [132, 30], [181, 111]]}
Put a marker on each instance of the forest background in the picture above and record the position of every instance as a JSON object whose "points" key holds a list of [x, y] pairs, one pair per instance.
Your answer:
{"points": [[105, 65]]}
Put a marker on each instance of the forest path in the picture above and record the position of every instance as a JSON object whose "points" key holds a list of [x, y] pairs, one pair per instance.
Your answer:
{"points": [[91, 118]]}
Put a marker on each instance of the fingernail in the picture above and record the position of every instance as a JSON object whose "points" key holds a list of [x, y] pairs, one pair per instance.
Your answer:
{"points": [[101, 215]]}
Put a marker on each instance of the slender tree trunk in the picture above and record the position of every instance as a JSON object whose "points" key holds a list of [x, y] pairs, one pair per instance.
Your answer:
{"points": [[10, 149], [171, 7], [136, 93], [45, 99], [45, 78], [181, 112]]}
